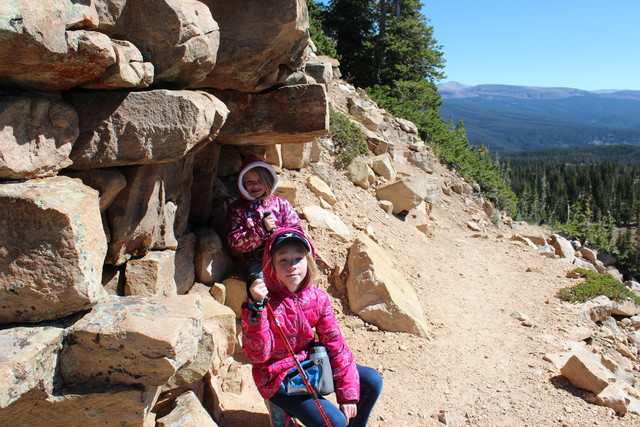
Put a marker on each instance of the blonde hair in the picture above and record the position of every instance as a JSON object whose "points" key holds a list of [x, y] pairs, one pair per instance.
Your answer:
{"points": [[266, 178], [312, 267]]}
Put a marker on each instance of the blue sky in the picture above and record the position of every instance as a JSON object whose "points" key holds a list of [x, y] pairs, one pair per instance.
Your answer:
{"points": [[584, 44]]}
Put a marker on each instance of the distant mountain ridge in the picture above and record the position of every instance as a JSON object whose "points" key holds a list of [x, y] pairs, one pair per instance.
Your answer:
{"points": [[505, 117], [459, 90]]}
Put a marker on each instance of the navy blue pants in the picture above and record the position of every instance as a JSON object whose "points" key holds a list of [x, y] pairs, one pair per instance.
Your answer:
{"points": [[304, 409]]}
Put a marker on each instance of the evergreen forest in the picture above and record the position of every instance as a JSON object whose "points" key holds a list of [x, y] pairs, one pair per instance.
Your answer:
{"points": [[388, 48]]}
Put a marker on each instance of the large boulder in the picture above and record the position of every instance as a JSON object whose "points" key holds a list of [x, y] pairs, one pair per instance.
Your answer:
{"points": [[37, 51], [27, 361], [108, 183], [152, 275], [132, 341], [129, 70], [290, 114], [407, 193], [585, 371], [563, 247], [118, 405], [383, 165], [52, 45], [134, 128], [326, 220], [216, 344], [179, 37], [211, 259], [261, 43], [296, 156], [52, 249], [188, 411], [37, 132], [150, 211], [378, 293], [360, 173]]}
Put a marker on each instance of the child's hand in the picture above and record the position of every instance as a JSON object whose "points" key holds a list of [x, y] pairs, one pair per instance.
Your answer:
{"points": [[349, 410], [269, 222], [258, 290]]}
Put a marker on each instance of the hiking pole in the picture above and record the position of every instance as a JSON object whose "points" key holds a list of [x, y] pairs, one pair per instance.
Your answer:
{"points": [[303, 375]]}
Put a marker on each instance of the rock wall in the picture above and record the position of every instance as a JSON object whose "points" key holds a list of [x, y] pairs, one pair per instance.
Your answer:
{"points": [[112, 118]]}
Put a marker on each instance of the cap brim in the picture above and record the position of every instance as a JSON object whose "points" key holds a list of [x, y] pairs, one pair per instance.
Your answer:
{"points": [[290, 238]]}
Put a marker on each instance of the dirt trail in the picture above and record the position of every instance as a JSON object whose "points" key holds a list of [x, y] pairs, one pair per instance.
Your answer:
{"points": [[482, 366]]}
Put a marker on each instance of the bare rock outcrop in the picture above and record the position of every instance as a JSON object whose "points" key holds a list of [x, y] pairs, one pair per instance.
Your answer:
{"points": [[150, 211], [132, 341], [28, 360], [378, 293], [290, 114], [152, 275], [179, 37], [188, 411], [117, 405], [133, 128], [53, 247], [37, 132], [261, 43]]}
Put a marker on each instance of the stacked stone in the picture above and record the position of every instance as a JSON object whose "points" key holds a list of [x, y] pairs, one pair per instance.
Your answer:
{"points": [[112, 116]]}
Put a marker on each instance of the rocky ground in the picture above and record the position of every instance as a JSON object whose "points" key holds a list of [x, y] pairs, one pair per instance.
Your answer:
{"points": [[491, 306]]}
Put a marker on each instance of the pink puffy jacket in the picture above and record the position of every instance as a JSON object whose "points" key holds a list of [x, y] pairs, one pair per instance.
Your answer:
{"points": [[297, 314], [245, 231]]}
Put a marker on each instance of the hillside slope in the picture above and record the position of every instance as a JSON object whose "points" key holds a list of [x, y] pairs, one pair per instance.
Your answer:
{"points": [[514, 117], [481, 365]]}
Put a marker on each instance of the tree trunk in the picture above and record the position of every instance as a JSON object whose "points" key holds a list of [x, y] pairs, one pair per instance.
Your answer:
{"points": [[382, 19]]}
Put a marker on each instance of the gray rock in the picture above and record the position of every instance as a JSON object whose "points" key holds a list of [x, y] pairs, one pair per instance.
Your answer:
{"points": [[211, 259], [180, 38], [150, 211], [122, 406], [52, 248], [134, 128], [132, 341], [37, 132], [188, 411], [378, 293], [27, 361], [407, 193], [152, 275], [290, 114], [260, 55], [184, 267]]}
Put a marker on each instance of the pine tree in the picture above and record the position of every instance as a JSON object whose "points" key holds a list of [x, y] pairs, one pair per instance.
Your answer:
{"points": [[384, 41]]}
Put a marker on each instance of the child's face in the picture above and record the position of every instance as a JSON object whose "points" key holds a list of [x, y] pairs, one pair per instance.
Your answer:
{"points": [[253, 184], [290, 265]]}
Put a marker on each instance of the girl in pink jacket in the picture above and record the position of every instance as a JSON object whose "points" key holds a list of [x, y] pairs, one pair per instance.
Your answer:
{"points": [[259, 212], [303, 311]]}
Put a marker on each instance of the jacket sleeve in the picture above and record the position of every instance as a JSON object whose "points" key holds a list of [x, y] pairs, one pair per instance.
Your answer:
{"points": [[243, 233], [345, 372], [257, 336], [289, 217]]}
